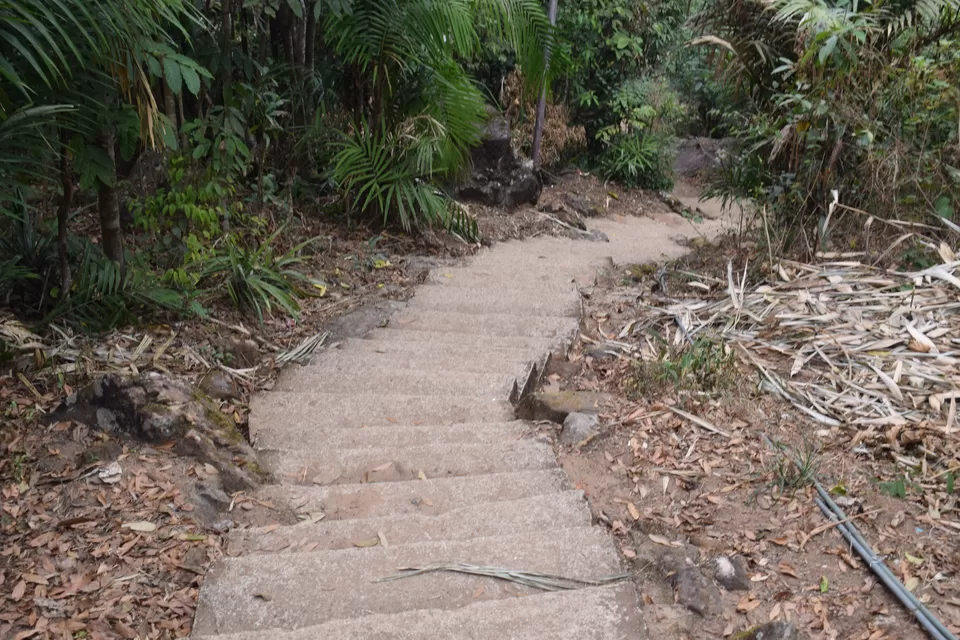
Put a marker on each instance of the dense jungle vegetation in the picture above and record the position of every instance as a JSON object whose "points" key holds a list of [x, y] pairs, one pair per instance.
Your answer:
{"points": [[258, 110]]}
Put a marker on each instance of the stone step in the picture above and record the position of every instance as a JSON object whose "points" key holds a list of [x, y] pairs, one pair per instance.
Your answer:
{"points": [[407, 381], [505, 278], [595, 613], [289, 591], [285, 420], [349, 466], [484, 520], [467, 341], [501, 300], [488, 324], [423, 497], [473, 352], [332, 438], [359, 355]]}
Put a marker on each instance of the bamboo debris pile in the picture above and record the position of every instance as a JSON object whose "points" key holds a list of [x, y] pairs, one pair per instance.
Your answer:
{"points": [[845, 343]]}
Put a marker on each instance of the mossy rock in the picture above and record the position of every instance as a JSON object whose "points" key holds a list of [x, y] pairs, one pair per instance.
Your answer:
{"points": [[158, 409]]}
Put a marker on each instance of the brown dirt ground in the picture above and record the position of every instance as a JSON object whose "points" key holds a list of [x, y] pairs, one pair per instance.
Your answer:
{"points": [[652, 472]]}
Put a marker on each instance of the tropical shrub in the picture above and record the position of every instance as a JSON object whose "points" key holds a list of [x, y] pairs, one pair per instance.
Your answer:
{"points": [[258, 280], [857, 99]]}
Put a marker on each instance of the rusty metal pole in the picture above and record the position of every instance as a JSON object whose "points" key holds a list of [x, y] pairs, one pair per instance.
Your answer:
{"points": [[542, 103]]}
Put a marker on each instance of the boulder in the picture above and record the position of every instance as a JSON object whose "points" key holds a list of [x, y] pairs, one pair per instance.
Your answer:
{"points": [[219, 385], [239, 354], [691, 587], [582, 205], [577, 427], [729, 572], [157, 409], [499, 177]]}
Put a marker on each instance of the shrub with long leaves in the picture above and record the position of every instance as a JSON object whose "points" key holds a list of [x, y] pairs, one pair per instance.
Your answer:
{"points": [[415, 110], [103, 296], [258, 280]]}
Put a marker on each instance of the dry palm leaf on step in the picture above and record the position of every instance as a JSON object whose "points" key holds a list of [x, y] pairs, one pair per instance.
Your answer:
{"points": [[543, 581]]}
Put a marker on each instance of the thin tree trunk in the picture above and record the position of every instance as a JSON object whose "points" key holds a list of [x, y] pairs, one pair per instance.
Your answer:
{"points": [[63, 213], [311, 37], [169, 103], [542, 103], [286, 33], [183, 120], [109, 204], [226, 25]]}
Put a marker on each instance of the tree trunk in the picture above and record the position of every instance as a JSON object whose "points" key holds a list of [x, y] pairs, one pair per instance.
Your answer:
{"points": [[286, 33], [226, 25], [183, 120], [109, 204], [311, 37], [299, 40], [542, 102], [169, 104], [63, 213]]}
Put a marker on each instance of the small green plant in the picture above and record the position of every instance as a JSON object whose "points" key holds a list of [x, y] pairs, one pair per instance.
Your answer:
{"points": [[793, 471], [705, 365], [258, 280], [899, 487], [637, 160]]}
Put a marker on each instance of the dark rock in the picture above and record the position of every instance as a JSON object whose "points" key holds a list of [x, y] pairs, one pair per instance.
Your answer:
{"points": [[499, 177], [209, 500], [731, 575], [696, 592], [701, 156], [157, 409], [776, 630], [579, 426], [583, 206], [602, 352], [557, 405], [219, 385], [242, 354], [523, 187], [691, 587], [595, 235]]}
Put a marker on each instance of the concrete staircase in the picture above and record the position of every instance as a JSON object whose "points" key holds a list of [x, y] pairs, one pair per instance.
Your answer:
{"points": [[403, 448]]}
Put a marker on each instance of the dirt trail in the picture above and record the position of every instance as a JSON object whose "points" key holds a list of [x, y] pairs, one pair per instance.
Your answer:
{"points": [[401, 449]]}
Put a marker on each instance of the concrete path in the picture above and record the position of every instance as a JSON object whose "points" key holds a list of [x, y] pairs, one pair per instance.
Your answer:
{"points": [[404, 449]]}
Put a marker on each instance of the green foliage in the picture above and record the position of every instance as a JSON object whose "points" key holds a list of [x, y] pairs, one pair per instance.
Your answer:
{"points": [[607, 46], [257, 279], [899, 487], [638, 160], [858, 98], [219, 139], [390, 175], [13, 276], [104, 297], [794, 470], [707, 364], [186, 219], [417, 112]]}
